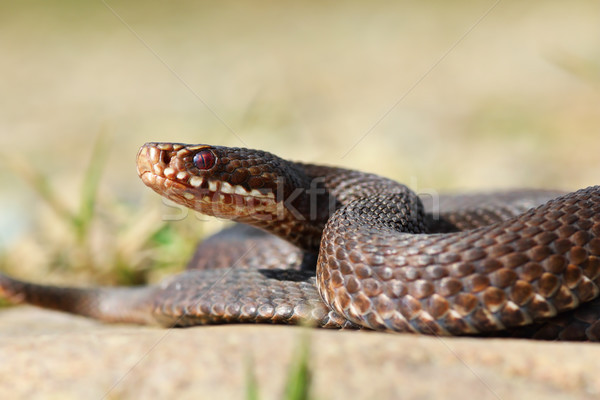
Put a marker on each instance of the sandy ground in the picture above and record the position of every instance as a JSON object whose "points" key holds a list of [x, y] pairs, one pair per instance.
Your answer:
{"points": [[50, 355]]}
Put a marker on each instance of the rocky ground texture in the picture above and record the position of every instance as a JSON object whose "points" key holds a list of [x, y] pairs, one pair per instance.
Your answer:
{"points": [[44, 354]]}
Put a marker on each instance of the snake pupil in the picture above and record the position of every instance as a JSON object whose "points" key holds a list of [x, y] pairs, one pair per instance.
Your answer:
{"points": [[204, 159]]}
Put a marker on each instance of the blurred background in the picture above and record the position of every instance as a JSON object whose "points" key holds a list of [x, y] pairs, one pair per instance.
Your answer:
{"points": [[446, 95]]}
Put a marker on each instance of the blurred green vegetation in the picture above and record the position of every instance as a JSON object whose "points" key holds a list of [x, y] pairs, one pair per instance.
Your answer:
{"points": [[299, 380], [104, 242]]}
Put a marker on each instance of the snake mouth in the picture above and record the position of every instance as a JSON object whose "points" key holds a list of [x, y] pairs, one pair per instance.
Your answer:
{"points": [[170, 170]]}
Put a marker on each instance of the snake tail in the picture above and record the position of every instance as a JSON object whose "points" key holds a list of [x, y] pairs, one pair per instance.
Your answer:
{"points": [[109, 304]]}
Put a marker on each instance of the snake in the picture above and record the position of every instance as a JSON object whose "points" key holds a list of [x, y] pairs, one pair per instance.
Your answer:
{"points": [[339, 248]]}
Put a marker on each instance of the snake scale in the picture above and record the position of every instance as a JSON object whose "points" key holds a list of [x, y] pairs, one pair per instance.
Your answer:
{"points": [[521, 263]]}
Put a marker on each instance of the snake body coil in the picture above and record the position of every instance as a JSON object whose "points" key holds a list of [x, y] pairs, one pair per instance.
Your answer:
{"points": [[518, 263]]}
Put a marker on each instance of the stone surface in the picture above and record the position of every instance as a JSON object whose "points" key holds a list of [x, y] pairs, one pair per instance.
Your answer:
{"points": [[44, 354]]}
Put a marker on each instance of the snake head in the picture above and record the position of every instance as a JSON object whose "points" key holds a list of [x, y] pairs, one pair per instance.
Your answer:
{"points": [[232, 183]]}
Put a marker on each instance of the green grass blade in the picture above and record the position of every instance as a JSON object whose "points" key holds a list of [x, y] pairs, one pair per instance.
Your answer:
{"points": [[251, 383], [300, 375], [39, 182], [91, 182]]}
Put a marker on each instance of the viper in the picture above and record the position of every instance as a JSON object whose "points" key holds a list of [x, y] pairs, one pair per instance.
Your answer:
{"points": [[339, 248]]}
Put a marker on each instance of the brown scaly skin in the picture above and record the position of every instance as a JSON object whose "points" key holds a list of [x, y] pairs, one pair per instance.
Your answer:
{"points": [[385, 262], [505, 275], [290, 200]]}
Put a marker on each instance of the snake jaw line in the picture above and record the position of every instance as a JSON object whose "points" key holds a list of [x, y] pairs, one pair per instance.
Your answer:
{"points": [[195, 181]]}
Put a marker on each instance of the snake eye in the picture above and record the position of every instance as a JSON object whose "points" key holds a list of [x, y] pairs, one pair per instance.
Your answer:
{"points": [[204, 159]]}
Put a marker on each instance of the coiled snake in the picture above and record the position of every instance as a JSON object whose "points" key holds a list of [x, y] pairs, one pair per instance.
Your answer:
{"points": [[517, 263]]}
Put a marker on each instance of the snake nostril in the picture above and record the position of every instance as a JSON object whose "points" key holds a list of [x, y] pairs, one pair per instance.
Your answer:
{"points": [[165, 157]]}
